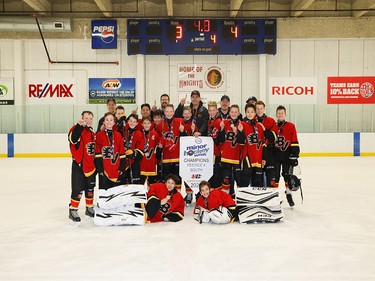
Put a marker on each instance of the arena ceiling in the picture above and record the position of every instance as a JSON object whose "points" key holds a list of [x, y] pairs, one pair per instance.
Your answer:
{"points": [[188, 8]]}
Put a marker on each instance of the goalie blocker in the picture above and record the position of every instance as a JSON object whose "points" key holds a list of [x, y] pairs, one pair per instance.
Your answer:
{"points": [[258, 204]]}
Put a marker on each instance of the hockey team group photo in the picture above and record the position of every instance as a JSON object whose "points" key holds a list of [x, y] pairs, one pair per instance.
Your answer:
{"points": [[222, 162]]}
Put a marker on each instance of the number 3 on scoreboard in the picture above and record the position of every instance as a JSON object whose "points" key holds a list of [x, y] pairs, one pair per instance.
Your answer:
{"points": [[178, 32]]}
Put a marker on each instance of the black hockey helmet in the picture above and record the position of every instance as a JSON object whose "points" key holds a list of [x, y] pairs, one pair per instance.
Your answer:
{"points": [[294, 183]]}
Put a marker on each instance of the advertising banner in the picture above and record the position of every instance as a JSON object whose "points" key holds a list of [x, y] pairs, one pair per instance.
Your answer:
{"points": [[350, 90], [51, 91], [201, 77], [6, 91], [104, 34], [196, 160], [121, 89], [292, 90]]}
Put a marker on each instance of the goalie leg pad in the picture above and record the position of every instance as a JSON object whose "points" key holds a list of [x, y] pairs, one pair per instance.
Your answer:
{"points": [[125, 215], [257, 196], [220, 216], [121, 195], [201, 215], [254, 214]]}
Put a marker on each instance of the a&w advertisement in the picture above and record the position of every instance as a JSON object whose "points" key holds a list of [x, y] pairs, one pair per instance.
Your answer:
{"points": [[196, 160], [51, 91]]}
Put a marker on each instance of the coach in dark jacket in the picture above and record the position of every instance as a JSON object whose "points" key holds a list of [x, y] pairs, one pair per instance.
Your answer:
{"points": [[200, 113]]}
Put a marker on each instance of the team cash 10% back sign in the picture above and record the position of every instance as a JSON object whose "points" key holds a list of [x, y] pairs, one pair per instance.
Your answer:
{"points": [[196, 160]]}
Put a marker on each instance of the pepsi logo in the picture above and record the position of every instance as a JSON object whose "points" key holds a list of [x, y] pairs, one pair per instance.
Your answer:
{"points": [[106, 33]]}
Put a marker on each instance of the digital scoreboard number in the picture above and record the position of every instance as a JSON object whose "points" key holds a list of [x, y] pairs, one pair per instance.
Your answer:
{"points": [[201, 36]]}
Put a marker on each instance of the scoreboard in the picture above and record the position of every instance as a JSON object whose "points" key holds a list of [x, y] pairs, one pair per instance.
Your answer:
{"points": [[235, 36]]}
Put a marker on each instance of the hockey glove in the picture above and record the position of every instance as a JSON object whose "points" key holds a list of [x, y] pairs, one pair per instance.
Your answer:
{"points": [[293, 160]]}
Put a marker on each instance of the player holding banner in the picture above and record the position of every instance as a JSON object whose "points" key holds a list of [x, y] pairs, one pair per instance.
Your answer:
{"points": [[82, 147]]}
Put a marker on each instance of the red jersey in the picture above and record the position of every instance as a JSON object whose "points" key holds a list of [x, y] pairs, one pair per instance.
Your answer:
{"points": [[187, 127], [286, 136], [149, 161], [109, 150], [213, 129], [170, 138], [268, 122], [255, 141], [174, 205], [215, 199], [230, 149], [83, 149]]}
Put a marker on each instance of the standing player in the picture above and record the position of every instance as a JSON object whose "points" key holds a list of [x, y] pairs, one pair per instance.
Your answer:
{"points": [[190, 129], [82, 147], [287, 150], [214, 205], [164, 202], [151, 139], [269, 159], [109, 155], [134, 144], [230, 149], [253, 138], [170, 130], [213, 129], [111, 107]]}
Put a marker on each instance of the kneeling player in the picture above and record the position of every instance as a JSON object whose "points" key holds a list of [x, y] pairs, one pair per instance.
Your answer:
{"points": [[214, 205], [164, 202]]}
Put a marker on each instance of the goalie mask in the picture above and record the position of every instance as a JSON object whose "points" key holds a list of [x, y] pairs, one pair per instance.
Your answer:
{"points": [[294, 183]]}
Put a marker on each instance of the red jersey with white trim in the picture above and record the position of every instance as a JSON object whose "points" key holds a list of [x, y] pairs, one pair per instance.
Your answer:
{"points": [[83, 150], [110, 150], [286, 135], [175, 204], [215, 199], [149, 161], [213, 129], [255, 141], [230, 149], [170, 138]]}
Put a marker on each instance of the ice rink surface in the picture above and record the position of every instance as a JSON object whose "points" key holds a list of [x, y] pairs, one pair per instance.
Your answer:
{"points": [[331, 236]]}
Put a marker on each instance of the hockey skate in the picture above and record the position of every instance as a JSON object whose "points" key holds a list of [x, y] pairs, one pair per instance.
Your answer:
{"points": [[289, 198], [90, 213], [188, 199], [74, 216]]}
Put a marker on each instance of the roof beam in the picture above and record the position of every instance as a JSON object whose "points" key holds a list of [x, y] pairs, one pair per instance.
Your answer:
{"points": [[235, 6], [298, 6], [43, 6], [105, 6], [169, 7], [362, 4]]}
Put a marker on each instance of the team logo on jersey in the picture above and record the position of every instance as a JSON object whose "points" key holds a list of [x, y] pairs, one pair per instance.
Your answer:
{"points": [[281, 143], [366, 90], [90, 148]]}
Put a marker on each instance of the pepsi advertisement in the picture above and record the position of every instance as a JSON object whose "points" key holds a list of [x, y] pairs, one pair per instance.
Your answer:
{"points": [[104, 34], [121, 89]]}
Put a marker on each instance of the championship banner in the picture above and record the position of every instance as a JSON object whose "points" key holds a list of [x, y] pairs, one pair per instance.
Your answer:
{"points": [[201, 77], [350, 90], [104, 34], [121, 89], [292, 90], [196, 160], [6, 91], [51, 91]]}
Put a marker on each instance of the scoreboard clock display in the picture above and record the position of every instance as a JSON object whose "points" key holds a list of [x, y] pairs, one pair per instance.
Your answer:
{"points": [[201, 36]]}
